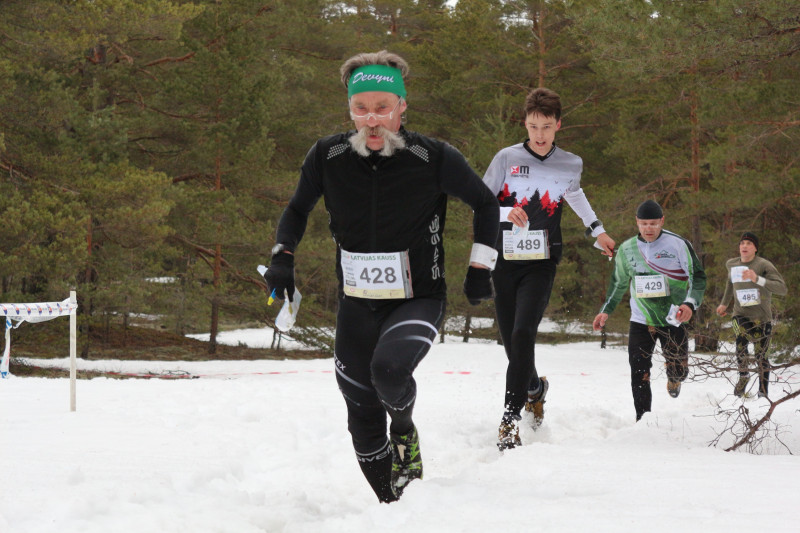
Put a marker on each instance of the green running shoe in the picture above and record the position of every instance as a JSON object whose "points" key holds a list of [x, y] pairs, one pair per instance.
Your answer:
{"points": [[741, 385], [406, 460]]}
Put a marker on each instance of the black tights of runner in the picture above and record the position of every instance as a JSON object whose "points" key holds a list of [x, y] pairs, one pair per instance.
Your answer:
{"points": [[522, 293], [759, 335], [378, 346], [641, 343]]}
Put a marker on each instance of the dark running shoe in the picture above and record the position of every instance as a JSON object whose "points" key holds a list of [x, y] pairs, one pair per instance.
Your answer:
{"points": [[535, 403], [406, 460], [673, 387], [508, 433]]}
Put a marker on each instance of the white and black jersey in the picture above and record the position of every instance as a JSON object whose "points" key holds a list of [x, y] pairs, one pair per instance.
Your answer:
{"points": [[520, 177], [389, 204]]}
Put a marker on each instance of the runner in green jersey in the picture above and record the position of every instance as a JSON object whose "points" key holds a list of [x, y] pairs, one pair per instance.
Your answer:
{"points": [[666, 282]]}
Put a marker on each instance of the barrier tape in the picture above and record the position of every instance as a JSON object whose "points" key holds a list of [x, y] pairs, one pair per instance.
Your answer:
{"points": [[37, 312], [33, 312]]}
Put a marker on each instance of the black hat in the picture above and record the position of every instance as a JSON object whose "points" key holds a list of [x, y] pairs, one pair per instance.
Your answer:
{"points": [[649, 210], [750, 236]]}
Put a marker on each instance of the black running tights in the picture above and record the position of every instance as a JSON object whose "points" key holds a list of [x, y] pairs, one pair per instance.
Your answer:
{"points": [[522, 292], [641, 343], [378, 346]]}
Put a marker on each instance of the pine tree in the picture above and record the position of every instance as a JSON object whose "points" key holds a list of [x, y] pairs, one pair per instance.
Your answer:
{"points": [[705, 100], [68, 135]]}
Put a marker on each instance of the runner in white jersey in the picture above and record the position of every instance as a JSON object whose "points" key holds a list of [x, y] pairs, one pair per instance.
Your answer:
{"points": [[531, 180]]}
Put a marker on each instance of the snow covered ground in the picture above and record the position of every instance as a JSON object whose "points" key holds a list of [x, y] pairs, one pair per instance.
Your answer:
{"points": [[263, 446]]}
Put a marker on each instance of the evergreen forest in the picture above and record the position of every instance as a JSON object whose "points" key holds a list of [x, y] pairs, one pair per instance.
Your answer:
{"points": [[148, 147]]}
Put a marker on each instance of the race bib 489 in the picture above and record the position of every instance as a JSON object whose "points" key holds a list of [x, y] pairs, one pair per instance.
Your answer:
{"points": [[525, 245]]}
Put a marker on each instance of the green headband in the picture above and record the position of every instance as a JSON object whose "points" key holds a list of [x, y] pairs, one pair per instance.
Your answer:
{"points": [[376, 78]]}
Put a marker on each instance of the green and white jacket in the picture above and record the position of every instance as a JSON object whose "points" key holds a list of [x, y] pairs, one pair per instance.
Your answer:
{"points": [[659, 274]]}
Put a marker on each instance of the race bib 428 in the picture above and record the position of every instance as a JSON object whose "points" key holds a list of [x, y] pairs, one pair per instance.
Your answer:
{"points": [[376, 275]]}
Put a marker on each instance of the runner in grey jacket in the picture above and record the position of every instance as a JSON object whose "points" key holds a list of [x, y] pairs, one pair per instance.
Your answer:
{"points": [[751, 282]]}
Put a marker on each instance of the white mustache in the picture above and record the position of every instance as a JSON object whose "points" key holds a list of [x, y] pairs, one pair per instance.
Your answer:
{"points": [[392, 142]]}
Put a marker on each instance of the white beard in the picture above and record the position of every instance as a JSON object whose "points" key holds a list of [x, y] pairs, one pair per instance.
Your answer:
{"points": [[392, 142]]}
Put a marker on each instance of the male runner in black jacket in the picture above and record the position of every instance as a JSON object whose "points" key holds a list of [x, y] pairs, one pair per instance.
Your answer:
{"points": [[385, 190]]}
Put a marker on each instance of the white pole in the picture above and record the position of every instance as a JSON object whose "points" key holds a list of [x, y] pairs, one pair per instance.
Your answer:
{"points": [[73, 363]]}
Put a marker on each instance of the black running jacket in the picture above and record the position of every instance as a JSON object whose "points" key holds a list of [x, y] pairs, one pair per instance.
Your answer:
{"points": [[390, 204]]}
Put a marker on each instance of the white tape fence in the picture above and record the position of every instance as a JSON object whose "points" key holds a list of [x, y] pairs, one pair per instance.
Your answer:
{"points": [[16, 314]]}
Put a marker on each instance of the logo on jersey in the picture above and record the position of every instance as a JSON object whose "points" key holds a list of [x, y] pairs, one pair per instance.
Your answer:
{"points": [[509, 199], [434, 228], [663, 254], [520, 170]]}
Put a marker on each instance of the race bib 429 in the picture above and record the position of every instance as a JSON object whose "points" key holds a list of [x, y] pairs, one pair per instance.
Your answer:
{"points": [[654, 286]]}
